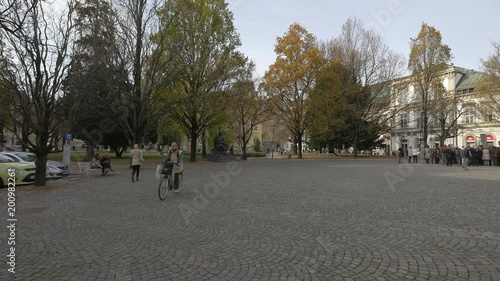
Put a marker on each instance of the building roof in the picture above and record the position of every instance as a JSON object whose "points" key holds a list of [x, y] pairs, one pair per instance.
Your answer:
{"points": [[469, 79]]}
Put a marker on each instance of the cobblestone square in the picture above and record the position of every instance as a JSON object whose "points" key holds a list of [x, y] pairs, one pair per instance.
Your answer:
{"points": [[264, 219]]}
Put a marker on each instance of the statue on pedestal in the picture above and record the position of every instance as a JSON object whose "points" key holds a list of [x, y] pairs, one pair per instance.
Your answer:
{"points": [[220, 145]]}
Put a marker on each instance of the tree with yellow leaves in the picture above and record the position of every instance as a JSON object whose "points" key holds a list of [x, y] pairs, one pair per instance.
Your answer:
{"points": [[290, 80], [428, 58]]}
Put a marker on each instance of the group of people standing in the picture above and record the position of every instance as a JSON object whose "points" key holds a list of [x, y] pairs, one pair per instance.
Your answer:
{"points": [[449, 155]]}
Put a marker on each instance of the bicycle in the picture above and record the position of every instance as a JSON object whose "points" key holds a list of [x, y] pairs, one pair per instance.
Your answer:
{"points": [[167, 183]]}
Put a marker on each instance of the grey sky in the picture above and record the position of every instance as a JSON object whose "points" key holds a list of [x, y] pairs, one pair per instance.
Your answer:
{"points": [[467, 27]]}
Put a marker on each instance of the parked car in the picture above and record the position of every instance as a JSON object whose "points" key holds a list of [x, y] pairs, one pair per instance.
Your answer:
{"points": [[24, 173], [55, 169], [9, 148]]}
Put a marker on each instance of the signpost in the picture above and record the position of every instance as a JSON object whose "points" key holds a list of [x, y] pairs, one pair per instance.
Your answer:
{"points": [[67, 148]]}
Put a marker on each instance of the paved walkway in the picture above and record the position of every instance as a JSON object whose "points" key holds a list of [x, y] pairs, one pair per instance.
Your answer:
{"points": [[263, 220]]}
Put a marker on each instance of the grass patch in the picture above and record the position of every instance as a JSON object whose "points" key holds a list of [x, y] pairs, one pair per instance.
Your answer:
{"points": [[79, 156]]}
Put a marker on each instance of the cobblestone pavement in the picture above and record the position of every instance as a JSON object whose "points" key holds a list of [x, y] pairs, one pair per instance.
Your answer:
{"points": [[263, 220]]}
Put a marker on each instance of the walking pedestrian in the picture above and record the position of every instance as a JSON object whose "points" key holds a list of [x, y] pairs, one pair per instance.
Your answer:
{"points": [[401, 154], [427, 154], [410, 154], [466, 155], [136, 161]]}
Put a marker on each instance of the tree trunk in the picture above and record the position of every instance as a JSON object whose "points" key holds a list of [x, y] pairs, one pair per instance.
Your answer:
{"points": [[299, 138], [56, 143], [295, 145], [41, 168], [203, 145], [194, 141], [24, 135], [2, 136], [426, 119], [355, 148], [244, 152], [90, 151]]}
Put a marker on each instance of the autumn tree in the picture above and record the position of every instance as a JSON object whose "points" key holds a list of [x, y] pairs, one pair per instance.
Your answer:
{"points": [[40, 51], [429, 57], [201, 44], [489, 87], [290, 79], [370, 68]]}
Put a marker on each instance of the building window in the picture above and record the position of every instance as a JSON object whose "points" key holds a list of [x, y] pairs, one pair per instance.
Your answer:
{"points": [[420, 121], [488, 115], [471, 90], [469, 116], [403, 120]]}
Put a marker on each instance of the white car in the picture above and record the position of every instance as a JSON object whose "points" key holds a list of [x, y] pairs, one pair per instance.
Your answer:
{"points": [[52, 171]]}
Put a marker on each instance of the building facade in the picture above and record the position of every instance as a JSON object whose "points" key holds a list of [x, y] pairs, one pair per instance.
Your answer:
{"points": [[471, 122]]}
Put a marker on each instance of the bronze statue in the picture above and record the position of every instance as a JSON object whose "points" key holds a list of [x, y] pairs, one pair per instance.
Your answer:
{"points": [[220, 145]]}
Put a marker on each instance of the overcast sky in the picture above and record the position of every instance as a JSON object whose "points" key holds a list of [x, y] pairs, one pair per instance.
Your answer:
{"points": [[467, 27]]}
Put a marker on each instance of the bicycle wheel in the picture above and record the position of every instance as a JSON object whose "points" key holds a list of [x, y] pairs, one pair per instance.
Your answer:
{"points": [[163, 188]]}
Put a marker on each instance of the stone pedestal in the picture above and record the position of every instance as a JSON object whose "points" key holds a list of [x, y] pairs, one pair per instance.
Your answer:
{"points": [[219, 157]]}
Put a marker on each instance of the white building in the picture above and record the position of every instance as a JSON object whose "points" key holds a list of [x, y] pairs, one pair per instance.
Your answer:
{"points": [[475, 124]]}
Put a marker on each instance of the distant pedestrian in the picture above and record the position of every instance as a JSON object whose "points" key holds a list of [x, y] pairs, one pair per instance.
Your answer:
{"points": [[401, 154], [136, 161], [486, 157], [427, 154], [450, 155], [415, 155], [465, 158], [410, 154]]}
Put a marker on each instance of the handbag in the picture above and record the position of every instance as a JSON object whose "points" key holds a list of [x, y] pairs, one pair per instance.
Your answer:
{"points": [[159, 168]]}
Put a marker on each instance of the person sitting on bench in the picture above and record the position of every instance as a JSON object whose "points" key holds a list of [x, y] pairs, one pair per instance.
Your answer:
{"points": [[106, 165], [95, 162]]}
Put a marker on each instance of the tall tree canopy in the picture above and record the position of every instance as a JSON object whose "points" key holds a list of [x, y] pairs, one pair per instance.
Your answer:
{"points": [[429, 57], [372, 68], [97, 80], [200, 42], [40, 48], [489, 87], [291, 78]]}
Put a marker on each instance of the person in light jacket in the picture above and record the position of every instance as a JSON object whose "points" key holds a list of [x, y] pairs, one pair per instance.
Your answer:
{"points": [[176, 156], [486, 157], [136, 161]]}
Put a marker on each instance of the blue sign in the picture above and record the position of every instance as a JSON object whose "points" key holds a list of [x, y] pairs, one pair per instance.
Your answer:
{"points": [[68, 137]]}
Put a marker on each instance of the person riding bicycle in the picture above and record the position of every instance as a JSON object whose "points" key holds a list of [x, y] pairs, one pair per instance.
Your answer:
{"points": [[176, 156]]}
